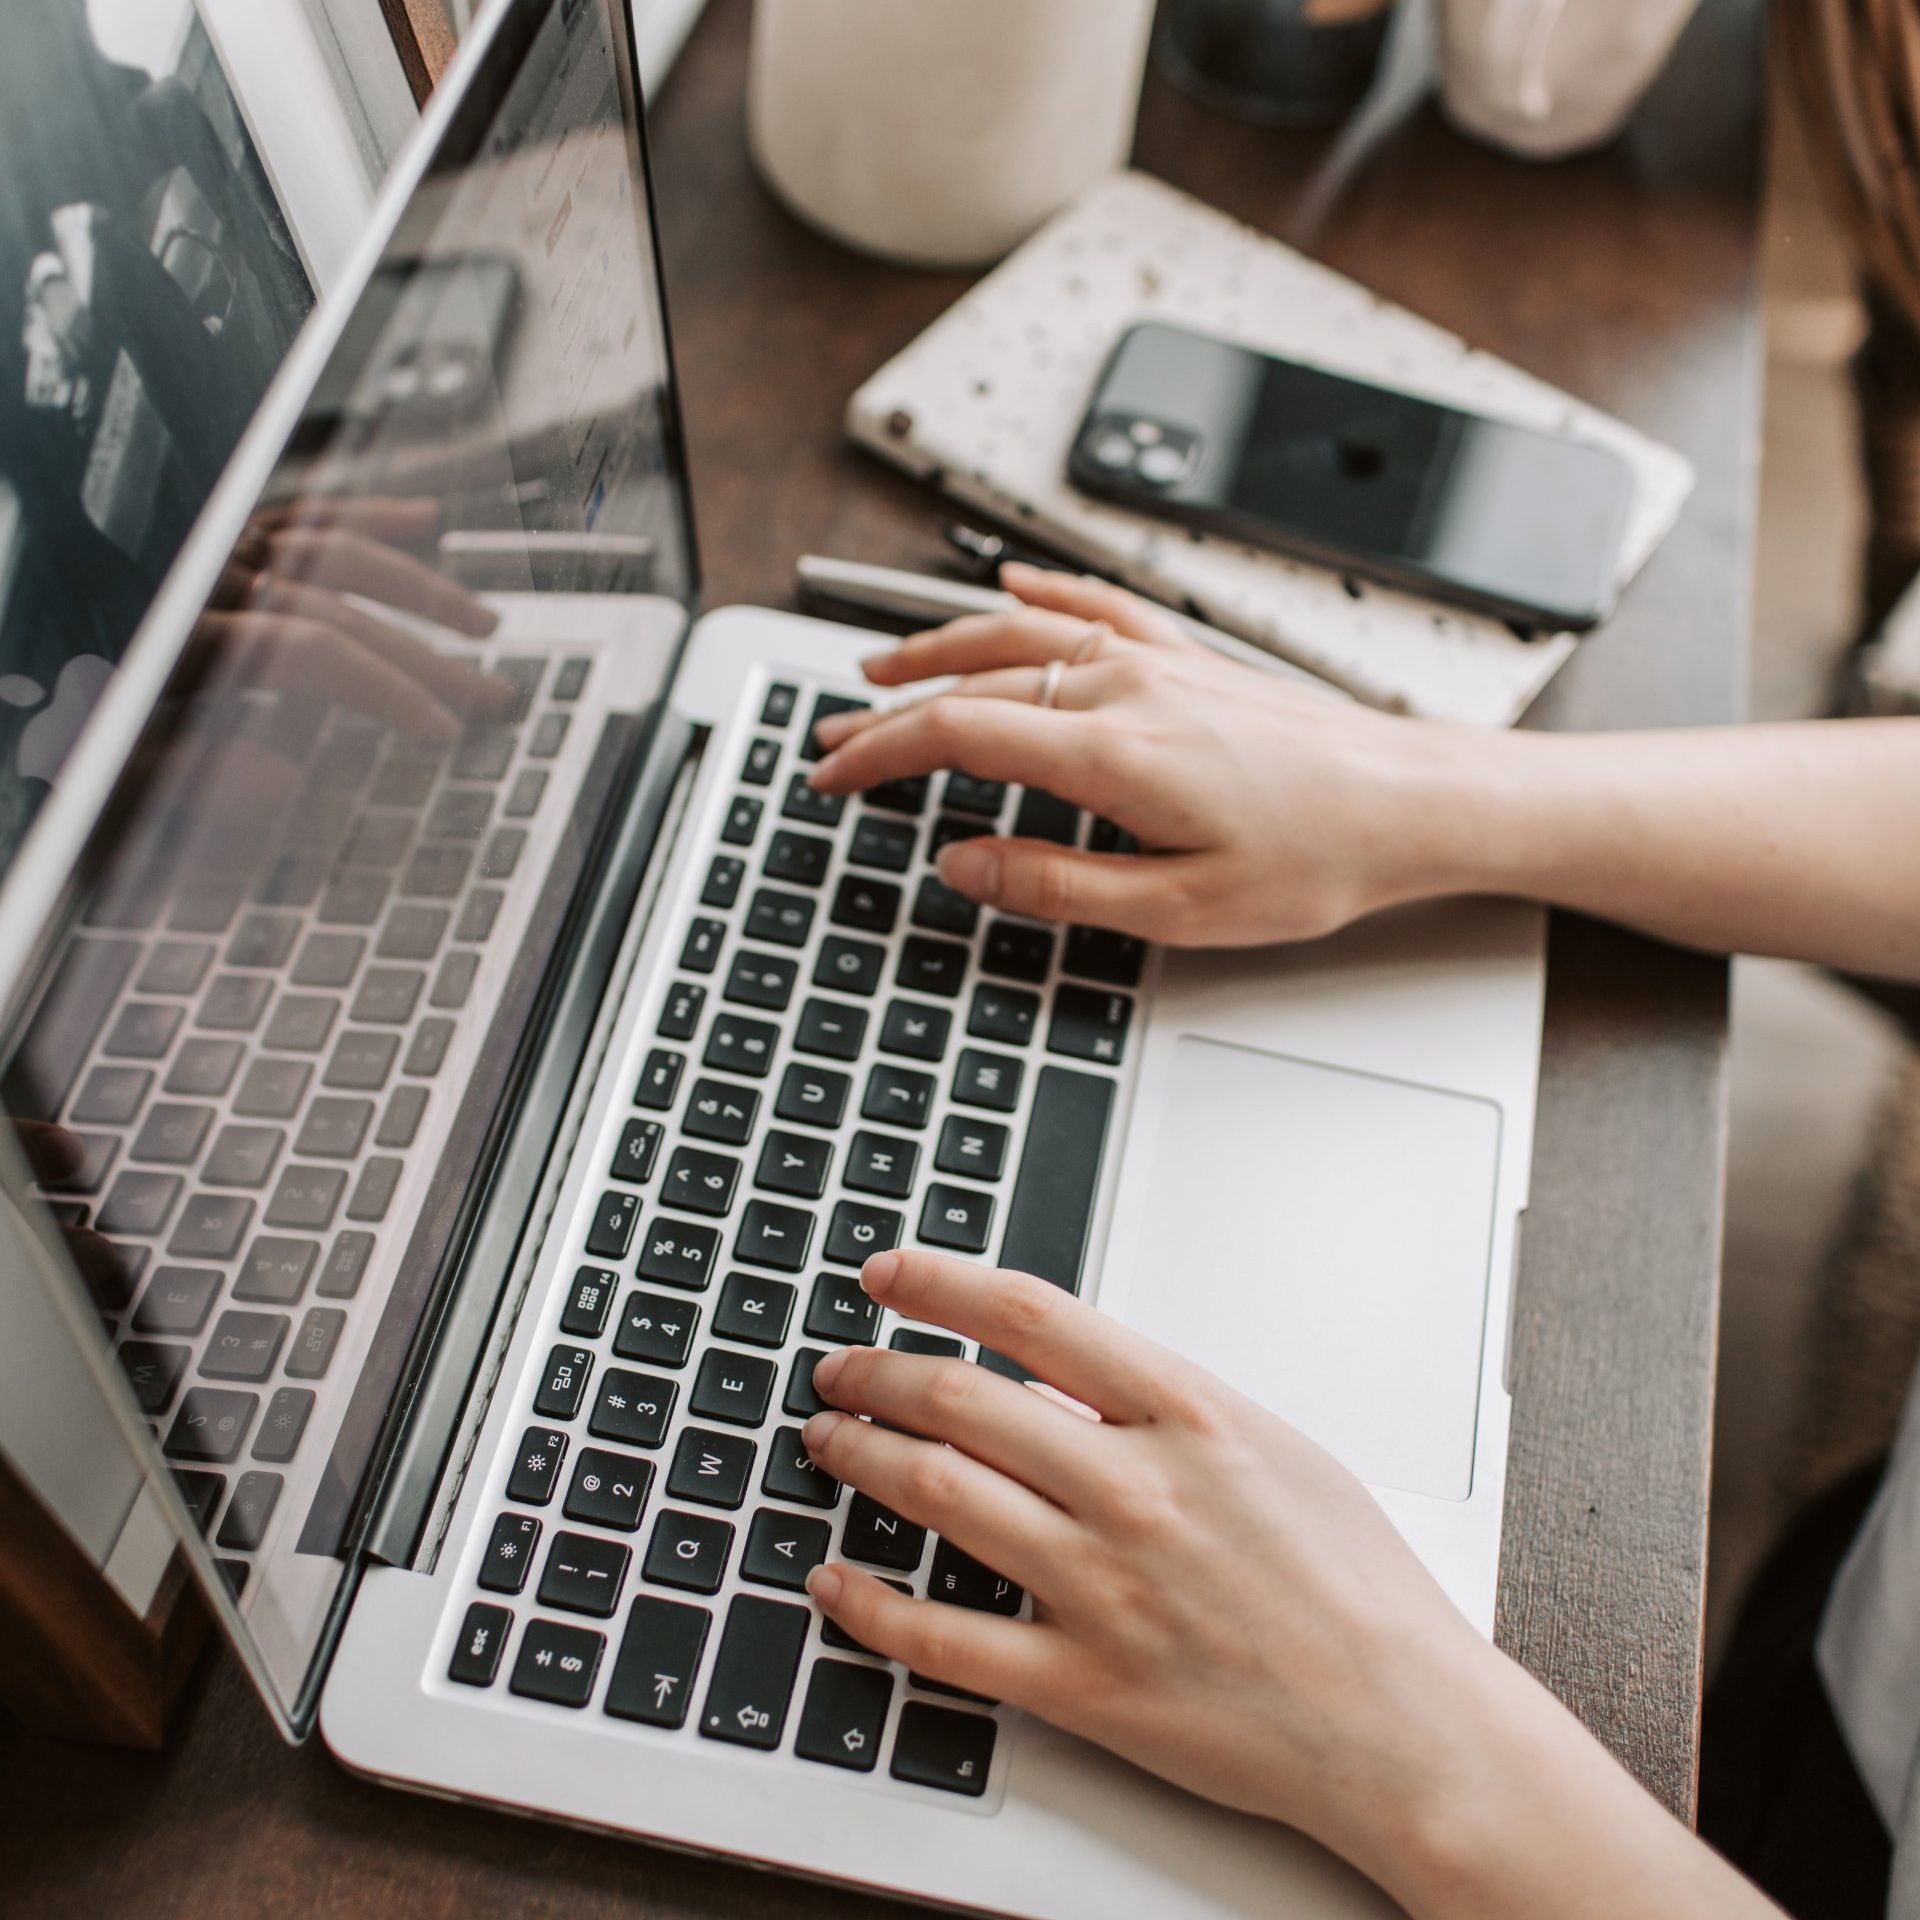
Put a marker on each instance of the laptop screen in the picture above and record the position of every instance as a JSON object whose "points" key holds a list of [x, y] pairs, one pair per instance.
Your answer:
{"points": [[314, 903]]}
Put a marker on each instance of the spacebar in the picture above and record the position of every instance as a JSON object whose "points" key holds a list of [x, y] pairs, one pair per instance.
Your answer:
{"points": [[1052, 1211]]}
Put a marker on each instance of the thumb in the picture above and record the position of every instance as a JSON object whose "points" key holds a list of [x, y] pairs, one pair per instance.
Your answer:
{"points": [[1129, 893]]}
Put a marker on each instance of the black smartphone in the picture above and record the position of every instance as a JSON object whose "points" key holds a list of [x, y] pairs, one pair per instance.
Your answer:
{"points": [[1523, 525]]}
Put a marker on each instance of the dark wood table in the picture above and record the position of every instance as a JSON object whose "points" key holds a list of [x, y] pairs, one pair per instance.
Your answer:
{"points": [[1628, 277]]}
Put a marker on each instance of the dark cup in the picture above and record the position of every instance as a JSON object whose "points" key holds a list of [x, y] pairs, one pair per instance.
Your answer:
{"points": [[1270, 61]]}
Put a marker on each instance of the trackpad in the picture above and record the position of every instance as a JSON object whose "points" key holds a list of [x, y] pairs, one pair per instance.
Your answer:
{"points": [[1320, 1239]]}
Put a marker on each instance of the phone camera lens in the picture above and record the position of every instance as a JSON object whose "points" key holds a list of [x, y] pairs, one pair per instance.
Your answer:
{"points": [[1161, 466], [1114, 451]]}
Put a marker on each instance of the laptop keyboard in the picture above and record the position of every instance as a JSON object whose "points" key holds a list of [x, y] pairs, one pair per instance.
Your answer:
{"points": [[249, 1066], [846, 1058]]}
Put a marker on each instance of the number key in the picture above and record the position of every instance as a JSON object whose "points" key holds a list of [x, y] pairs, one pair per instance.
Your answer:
{"points": [[655, 1327], [633, 1408]]}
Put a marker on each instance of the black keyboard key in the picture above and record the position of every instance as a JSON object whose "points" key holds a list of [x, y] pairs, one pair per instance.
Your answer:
{"points": [[281, 1426], [1018, 953], [717, 1110], [211, 1226], [956, 1218], [335, 1128], [802, 1400], [306, 1198], [813, 1097], [739, 1045], [328, 960], [483, 1641], [1010, 1015], [724, 879], [373, 1192], [754, 1311], [1104, 837], [1042, 817], [172, 1134], [435, 872], [509, 1556], [273, 1089], [302, 1022], [658, 1662], [857, 1232], [1114, 959], [811, 807], [347, 1264], [763, 980], [879, 1163], [361, 1061], [938, 909], [845, 1715], [780, 919], [233, 1004], [951, 827], [536, 1466], [502, 855], [742, 821], [915, 1032], [557, 1664], [774, 1236], [930, 1346], [1052, 1206], [966, 794], [656, 1327], [243, 1156], [211, 1424], [249, 1512], [154, 1371], [178, 966], [478, 915], [977, 1148], [989, 1080], [795, 1164], [700, 1181], [849, 966], [837, 1636], [528, 790], [897, 1097], [908, 796], [734, 1387], [204, 1068], [177, 1300], [783, 1548], [876, 1536], [932, 966], [571, 681], [139, 1203], [800, 859], [680, 1017], [610, 1233], [387, 997], [608, 1490], [782, 698], [111, 1096], [276, 1270], [549, 736], [938, 1747], [354, 899], [825, 708], [867, 906], [841, 1313], [701, 952], [689, 1551], [680, 1253], [589, 1302], [831, 1030], [660, 1080], [1090, 1025], [412, 932], [638, 1147], [563, 1383], [792, 1474], [633, 1408], [959, 1580], [754, 1672], [885, 844], [762, 757], [714, 1469]]}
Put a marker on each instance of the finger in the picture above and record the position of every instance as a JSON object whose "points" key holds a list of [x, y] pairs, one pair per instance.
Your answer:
{"points": [[981, 643], [52, 1152], [1087, 599], [990, 739], [283, 650], [997, 1422], [991, 1517], [351, 563], [1127, 893], [1057, 1338], [978, 1652], [405, 522]]}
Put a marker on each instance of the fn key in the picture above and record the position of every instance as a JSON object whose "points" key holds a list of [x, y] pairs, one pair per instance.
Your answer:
{"points": [[754, 1671]]}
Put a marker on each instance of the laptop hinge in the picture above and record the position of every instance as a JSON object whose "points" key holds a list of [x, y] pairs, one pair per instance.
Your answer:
{"points": [[452, 1401]]}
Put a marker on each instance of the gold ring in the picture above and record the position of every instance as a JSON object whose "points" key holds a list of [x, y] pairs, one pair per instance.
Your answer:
{"points": [[1050, 682], [1096, 638]]}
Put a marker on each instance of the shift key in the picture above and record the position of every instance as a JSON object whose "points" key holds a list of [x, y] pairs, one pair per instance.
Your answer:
{"points": [[754, 1672]]}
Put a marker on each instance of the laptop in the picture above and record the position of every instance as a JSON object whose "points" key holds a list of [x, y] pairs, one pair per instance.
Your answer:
{"points": [[479, 1064]]}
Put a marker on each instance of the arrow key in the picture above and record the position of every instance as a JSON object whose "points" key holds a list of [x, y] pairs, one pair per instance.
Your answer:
{"points": [[783, 1548], [845, 1715], [659, 1658]]}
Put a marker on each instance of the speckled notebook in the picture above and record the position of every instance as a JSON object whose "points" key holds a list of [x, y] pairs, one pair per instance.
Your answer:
{"points": [[987, 401]]}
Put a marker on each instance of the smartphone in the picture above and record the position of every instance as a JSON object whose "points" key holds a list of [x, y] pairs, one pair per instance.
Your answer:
{"points": [[1522, 525]]}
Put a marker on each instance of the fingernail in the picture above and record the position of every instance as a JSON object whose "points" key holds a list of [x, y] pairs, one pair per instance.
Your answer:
{"points": [[827, 1369], [1011, 570], [876, 1278], [832, 728], [826, 1585], [819, 1430], [972, 867]]}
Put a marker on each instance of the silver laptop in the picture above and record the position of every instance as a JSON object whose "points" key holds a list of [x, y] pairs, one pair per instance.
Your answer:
{"points": [[481, 1064]]}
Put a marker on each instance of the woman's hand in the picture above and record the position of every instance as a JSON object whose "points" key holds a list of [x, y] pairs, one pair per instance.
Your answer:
{"points": [[1267, 810], [1221, 1602]]}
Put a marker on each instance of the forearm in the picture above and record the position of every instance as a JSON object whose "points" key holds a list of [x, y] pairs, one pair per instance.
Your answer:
{"points": [[1796, 841]]}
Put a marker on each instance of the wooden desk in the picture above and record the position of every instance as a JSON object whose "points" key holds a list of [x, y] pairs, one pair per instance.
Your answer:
{"points": [[1630, 278]]}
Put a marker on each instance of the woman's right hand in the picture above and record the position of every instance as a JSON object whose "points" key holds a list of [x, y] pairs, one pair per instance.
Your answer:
{"points": [[1266, 810]]}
